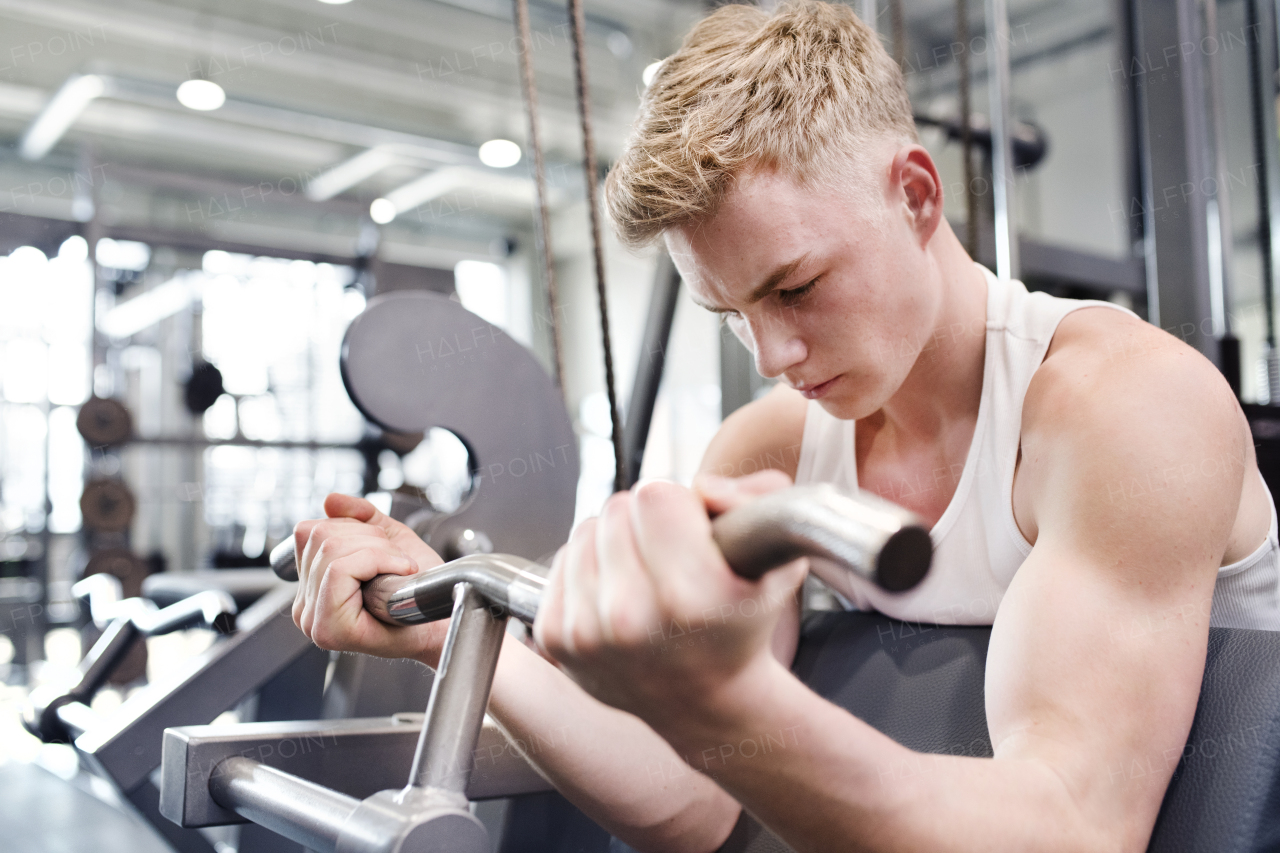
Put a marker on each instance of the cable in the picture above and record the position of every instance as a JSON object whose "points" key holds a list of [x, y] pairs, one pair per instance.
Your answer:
{"points": [[966, 129], [542, 228], [578, 25]]}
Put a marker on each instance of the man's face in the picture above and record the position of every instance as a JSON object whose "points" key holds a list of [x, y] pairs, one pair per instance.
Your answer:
{"points": [[830, 289]]}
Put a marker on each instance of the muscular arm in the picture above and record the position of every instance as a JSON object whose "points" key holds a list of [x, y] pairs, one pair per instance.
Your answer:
{"points": [[1095, 658], [1094, 664]]}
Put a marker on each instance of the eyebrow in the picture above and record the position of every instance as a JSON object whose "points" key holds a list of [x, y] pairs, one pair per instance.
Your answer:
{"points": [[770, 284]]}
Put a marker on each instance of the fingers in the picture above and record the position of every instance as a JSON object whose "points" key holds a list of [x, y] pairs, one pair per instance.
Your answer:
{"points": [[330, 541], [548, 627], [672, 536], [624, 595], [721, 494], [581, 614]]}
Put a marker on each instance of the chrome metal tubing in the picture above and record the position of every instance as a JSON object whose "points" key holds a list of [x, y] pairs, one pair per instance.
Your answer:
{"points": [[860, 533], [455, 711], [509, 583], [309, 814], [863, 534]]}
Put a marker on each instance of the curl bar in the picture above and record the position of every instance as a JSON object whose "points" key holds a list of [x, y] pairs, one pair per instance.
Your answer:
{"points": [[859, 533]]}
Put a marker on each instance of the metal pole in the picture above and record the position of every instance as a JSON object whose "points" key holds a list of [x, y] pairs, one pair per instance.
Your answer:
{"points": [[303, 811], [1219, 202], [998, 88], [455, 712], [1261, 19], [650, 365], [867, 12]]}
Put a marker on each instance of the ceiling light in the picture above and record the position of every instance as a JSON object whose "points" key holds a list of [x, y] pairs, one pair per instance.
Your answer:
{"points": [[650, 71], [147, 309], [348, 173], [499, 153], [59, 114], [201, 95], [382, 211], [335, 2]]}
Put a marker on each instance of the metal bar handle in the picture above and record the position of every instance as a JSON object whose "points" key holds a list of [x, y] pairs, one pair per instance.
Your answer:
{"points": [[857, 533]]}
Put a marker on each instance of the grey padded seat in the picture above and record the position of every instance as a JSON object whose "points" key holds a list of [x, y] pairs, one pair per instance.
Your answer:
{"points": [[923, 686]]}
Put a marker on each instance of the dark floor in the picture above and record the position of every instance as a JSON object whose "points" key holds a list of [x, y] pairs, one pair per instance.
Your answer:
{"points": [[41, 813]]}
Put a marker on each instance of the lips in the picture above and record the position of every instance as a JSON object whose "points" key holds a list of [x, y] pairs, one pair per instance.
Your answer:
{"points": [[813, 392]]}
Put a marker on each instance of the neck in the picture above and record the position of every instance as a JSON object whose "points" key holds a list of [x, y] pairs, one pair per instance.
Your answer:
{"points": [[944, 386]]}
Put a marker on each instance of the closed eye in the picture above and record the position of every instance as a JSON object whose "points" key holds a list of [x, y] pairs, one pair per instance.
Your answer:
{"points": [[796, 295]]}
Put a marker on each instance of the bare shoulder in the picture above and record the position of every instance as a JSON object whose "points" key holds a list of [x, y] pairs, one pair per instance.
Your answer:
{"points": [[1102, 361], [1123, 416], [763, 434]]}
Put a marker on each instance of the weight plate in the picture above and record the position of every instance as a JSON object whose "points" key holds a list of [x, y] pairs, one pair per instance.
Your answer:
{"points": [[203, 388], [104, 422], [107, 506], [120, 563], [415, 360]]}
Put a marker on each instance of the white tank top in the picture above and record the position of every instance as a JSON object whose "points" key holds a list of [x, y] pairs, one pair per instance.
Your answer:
{"points": [[977, 544]]}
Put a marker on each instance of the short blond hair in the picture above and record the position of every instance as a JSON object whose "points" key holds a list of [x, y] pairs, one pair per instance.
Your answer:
{"points": [[802, 90]]}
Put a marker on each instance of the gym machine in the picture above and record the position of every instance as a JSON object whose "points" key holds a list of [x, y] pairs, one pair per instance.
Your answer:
{"points": [[220, 774], [524, 470]]}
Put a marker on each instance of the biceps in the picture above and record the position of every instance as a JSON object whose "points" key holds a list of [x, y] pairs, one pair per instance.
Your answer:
{"points": [[1091, 674]]}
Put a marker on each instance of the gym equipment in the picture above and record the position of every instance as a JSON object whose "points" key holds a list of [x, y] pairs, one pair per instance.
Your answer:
{"points": [[202, 388], [211, 775], [920, 684], [104, 422], [863, 533], [267, 655], [124, 621], [923, 686], [107, 505], [415, 360]]}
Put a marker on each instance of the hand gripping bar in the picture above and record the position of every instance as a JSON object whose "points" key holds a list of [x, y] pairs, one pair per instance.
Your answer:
{"points": [[859, 533]]}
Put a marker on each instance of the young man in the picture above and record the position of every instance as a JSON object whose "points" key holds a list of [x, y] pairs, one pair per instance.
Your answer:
{"points": [[1090, 481]]}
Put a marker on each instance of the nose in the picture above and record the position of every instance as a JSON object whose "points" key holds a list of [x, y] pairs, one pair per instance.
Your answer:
{"points": [[777, 346]]}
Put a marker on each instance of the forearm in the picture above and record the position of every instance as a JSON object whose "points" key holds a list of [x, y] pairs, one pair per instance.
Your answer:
{"points": [[824, 780], [607, 762]]}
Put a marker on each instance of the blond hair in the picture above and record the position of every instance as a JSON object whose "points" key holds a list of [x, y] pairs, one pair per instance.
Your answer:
{"points": [[803, 90]]}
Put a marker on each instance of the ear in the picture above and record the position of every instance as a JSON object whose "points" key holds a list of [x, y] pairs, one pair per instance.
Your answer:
{"points": [[914, 174]]}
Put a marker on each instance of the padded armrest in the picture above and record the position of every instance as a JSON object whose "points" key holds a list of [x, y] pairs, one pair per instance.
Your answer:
{"points": [[923, 686]]}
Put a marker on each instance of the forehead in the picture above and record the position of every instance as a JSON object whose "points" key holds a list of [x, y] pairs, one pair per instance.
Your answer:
{"points": [[765, 220]]}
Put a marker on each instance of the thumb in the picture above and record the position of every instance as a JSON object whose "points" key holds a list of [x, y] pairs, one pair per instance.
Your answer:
{"points": [[338, 505], [721, 494]]}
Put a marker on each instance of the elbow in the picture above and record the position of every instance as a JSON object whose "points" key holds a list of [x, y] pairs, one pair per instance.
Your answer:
{"points": [[701, 827]]}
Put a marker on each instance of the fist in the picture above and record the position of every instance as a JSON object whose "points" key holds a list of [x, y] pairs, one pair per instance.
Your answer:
{"points": [[356, 543], [642, 610]]}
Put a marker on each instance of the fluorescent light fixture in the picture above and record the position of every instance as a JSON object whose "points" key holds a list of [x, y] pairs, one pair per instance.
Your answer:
{"points": [[478, 185], [348, 173], [59, 114], [382, 211], [336, 2], [149, 308], [203, 95], [650, 71], [122, 254], [499, 153]]}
